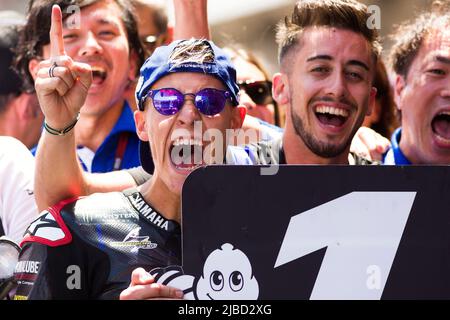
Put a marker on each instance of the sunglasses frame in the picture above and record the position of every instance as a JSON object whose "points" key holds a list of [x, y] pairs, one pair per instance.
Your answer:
{"points": [[151, 93], [245, 85]]}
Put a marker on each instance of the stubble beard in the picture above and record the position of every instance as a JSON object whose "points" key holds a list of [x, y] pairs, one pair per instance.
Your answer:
{"points": [[320, 148]]}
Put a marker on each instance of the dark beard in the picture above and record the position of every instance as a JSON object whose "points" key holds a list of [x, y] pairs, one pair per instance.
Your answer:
{"points": [[322, 149]]}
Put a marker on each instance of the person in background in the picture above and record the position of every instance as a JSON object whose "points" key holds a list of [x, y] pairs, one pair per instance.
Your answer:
{"points": [[420, 57], [102, 36], [255, 90], [384, 117], [153, 31], [20, 114], [255, 86], [17, 205]]}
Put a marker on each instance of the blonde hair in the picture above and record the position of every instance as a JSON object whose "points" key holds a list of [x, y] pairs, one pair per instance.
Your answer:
{"points": [[195, 51]]}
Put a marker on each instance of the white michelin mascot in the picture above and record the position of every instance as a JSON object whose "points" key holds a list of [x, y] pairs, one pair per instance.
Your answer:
{"points": [[227, 274]]}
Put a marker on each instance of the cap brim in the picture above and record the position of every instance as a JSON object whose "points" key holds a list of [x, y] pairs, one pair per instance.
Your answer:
{"points": [[145, 157]]}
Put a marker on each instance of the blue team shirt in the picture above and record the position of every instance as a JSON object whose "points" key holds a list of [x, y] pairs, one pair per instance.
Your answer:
{"points": [[105, 155], [395, 156]]}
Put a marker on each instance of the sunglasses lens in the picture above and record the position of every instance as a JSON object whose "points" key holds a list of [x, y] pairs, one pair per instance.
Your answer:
{"points": [[210, 101], [259, 92], [168, 101]]}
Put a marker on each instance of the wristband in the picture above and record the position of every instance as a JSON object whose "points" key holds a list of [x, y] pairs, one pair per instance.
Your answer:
{"points": [[63, 131]]}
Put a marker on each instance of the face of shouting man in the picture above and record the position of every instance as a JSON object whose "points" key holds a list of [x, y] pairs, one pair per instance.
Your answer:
{"points": [[188, 98], [424, 100], [173, 135], [327, 88]]}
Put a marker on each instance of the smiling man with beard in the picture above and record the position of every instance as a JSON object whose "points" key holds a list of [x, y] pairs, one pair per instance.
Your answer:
{"points": [[87, 248], [421, 59], [327, 57], [98, 35]]}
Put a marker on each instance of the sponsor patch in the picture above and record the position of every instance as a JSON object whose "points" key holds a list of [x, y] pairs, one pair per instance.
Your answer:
{"points": [[135, 241], [49, 228]]}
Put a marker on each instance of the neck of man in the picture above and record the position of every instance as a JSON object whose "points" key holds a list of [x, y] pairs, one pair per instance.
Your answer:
{"points": [[92, 129], [408, 149], [161, 198], [297, 152]]}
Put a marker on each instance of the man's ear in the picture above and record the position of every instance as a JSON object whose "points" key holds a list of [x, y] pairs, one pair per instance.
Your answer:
{"points": [[280, 88], [238, 117], [33, 68], [372, 100], [399, 86], [141, 125]]}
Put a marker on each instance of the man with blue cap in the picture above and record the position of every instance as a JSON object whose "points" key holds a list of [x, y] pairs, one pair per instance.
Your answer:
{"points": [[87, 248]]}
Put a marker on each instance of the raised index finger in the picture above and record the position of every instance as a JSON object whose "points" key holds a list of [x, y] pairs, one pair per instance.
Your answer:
{"points": [[56, 38]]}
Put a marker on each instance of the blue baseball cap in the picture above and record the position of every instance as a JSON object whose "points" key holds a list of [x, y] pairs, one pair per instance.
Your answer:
{"points": [[165, 60]]}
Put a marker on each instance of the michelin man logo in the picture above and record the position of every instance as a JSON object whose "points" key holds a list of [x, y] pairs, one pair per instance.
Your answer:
{"points": [[227, 274]]}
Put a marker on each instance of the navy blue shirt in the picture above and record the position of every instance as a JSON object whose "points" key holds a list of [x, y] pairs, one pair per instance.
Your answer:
{"points": [[395, 156], [105, 156]]}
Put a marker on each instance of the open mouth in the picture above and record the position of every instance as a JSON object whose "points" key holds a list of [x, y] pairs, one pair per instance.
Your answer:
{"points": [[186, 153], [441, 126], [331, 116], [98, 75]]}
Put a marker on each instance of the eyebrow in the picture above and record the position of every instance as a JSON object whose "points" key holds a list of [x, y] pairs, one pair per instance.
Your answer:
{"points": [[101, 21], [319, 57], [104, 21], [358, 63], [442, 59], [329, 58]]}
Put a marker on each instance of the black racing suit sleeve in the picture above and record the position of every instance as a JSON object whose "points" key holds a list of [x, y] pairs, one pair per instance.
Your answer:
{"points": [[72, 271], [139, 175]]}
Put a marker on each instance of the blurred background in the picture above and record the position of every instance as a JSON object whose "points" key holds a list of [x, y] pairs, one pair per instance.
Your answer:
{"points": [[252, 22]]}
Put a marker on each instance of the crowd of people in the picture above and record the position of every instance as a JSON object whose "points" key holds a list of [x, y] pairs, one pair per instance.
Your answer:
{"points": [[106, 120]]}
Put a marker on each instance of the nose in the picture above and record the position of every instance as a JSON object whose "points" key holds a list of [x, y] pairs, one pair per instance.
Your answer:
{"points": [[90, 46], [337, 86], [188, 113]]}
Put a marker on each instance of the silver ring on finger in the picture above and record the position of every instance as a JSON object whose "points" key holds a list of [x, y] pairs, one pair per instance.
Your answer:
{"points": [[51, 69]]}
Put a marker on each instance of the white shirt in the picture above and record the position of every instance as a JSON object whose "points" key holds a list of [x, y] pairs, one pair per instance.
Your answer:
{"points": [[87, 157], [17, 204]]}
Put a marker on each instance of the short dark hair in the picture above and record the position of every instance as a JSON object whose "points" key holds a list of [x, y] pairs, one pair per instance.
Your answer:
{"points": [[410, 35], [343, 14], [35, 34], [159, 16], [10, 82], [389, 118]]}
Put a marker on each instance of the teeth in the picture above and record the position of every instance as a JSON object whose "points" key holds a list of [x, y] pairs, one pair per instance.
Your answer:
{"points": [[187, 142], [445, 113], [98, 69], [189, 168], [332, 110]]}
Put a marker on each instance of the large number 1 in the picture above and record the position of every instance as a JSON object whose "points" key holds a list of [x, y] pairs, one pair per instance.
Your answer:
{"points": [[361, 231]]}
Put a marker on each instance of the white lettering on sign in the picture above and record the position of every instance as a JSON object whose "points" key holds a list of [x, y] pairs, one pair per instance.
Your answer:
{"points": [[360, 229]]}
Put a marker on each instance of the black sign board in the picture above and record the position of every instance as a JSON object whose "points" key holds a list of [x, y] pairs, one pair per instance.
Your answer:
{"points": [[318, 232]]}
